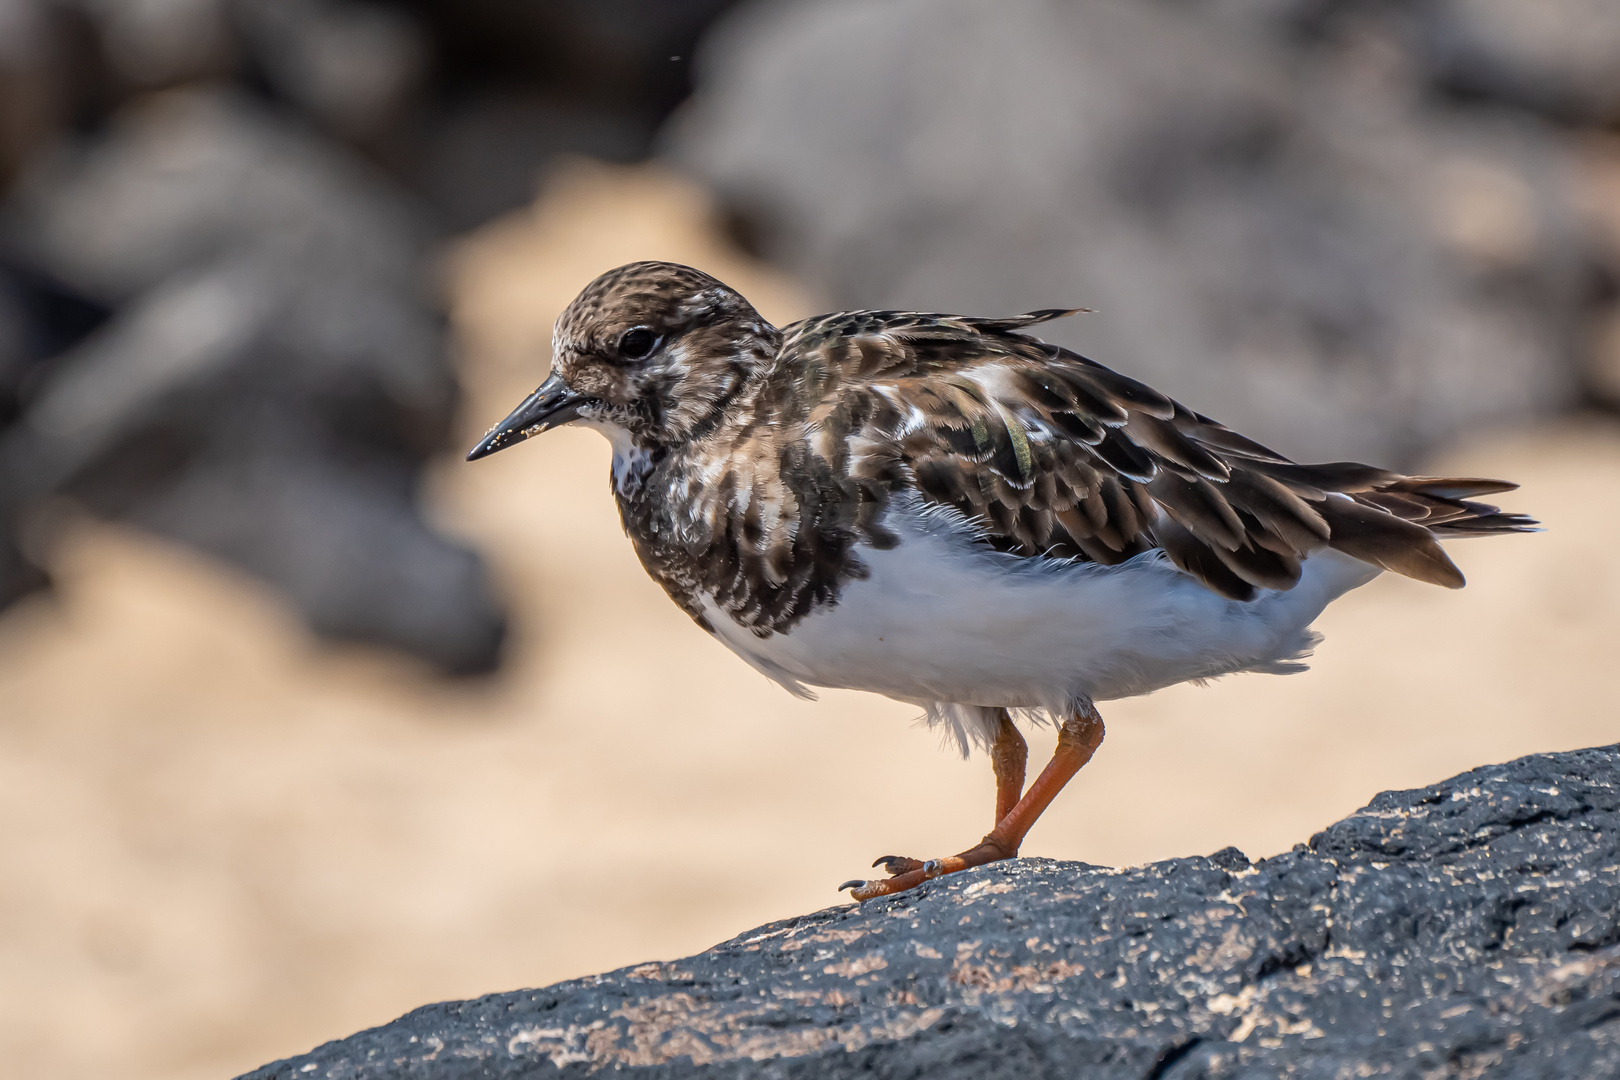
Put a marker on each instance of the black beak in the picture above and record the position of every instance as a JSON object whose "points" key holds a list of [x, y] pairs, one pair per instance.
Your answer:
{"points": [[553, 405]]}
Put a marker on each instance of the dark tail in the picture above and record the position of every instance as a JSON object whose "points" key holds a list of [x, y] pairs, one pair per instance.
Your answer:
{"points": [[1395, 523]]}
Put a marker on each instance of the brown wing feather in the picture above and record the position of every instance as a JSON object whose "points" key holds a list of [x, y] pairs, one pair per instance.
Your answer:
{"points": [[1049, 453]]}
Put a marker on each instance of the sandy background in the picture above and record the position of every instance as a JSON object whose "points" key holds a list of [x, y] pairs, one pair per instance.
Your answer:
{"points": [[221, 844]]}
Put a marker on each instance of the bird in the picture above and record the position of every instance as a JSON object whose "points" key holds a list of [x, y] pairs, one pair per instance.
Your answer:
{"points": [[948, 511]]}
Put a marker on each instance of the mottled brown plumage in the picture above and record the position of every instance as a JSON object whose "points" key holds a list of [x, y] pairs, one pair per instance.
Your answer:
{"points": [[760, 458]]}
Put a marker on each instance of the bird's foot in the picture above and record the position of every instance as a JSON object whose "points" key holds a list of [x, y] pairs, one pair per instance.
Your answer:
{"points": [[907, 873]]}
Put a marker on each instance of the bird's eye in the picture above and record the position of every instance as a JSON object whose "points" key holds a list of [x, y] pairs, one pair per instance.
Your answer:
{"points": [[636, 342]]}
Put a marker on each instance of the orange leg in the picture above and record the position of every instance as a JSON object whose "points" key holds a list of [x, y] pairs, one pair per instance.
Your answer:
{"points": [[1008, 756], [1078, 739]]}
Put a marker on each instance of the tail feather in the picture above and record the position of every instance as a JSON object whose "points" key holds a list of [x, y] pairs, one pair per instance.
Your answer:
{"points": [[1446, 505], [1451, 487], [1395, 524], [1488, 522], [1374, 535]]}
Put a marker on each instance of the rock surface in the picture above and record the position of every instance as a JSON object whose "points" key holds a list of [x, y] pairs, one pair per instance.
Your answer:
{"points": [[1470, 928]]}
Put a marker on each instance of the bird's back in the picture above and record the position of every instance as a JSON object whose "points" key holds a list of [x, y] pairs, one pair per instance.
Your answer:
{"points": [[1045, 454]]}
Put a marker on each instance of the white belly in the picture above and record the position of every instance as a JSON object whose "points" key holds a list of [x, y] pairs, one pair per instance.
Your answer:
{"points": [[955, 627]]}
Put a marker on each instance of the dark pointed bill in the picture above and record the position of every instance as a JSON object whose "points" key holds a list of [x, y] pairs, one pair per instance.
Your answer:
{"points": [[552, 405]]}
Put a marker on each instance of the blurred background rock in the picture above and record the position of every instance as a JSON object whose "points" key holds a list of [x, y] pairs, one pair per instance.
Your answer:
{"points": [[268, 266], [1351, 229], [218, 314]]}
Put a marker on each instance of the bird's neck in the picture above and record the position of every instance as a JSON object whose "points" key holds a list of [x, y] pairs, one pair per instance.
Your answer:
{"points": [[633, 457]]}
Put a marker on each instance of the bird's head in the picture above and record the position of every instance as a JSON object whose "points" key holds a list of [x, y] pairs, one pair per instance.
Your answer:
{"points": [[648, 352]]}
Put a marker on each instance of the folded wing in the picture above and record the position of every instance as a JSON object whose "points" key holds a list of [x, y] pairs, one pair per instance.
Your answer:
{"points": [[1050, 454]]}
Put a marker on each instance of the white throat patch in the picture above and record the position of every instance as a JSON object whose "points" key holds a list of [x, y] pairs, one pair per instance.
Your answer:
{"points": [[631, 463]]}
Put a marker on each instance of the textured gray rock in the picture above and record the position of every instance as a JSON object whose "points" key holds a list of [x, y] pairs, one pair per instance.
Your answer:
{"points": [[1278, 216], [1470, 928]]}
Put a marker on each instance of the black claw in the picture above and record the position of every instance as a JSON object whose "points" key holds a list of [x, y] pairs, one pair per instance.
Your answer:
{"points": [[898, 864], [854, 884]]}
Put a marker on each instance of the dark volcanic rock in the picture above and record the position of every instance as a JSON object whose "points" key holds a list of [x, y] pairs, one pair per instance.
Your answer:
{"points": [[1471, 928]]}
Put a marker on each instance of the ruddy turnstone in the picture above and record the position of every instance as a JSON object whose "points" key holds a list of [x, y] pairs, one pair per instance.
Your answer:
{"points": [[951, 512]]}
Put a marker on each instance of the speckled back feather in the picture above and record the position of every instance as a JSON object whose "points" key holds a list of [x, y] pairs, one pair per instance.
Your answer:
{"points": [[1048, 454]]}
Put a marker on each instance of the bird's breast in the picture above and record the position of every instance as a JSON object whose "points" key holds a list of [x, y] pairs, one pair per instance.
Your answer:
{"points": [[942, 618]]}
